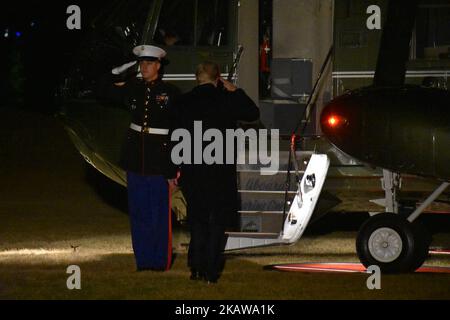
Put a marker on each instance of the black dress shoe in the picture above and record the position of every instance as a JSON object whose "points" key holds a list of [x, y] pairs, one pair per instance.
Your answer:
{"points": [[211, 279], [196, 275], [151, 269]]}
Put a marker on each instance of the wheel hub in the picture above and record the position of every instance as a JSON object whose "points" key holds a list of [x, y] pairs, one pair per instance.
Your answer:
{"points": [[385, 245]]}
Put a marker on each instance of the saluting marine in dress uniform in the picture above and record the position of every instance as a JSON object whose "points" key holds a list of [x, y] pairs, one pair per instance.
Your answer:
{"points": [[146, 158]]}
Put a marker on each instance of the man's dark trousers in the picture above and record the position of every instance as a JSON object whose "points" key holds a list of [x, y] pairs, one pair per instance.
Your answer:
{"points": [[206, 248]]}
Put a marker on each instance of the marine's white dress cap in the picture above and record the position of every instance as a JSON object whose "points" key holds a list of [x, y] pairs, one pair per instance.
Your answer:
{"points": [[147, 52]]}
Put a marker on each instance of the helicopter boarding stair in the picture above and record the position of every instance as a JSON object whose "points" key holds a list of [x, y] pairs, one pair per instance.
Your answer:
{"points": [[296, 219]]}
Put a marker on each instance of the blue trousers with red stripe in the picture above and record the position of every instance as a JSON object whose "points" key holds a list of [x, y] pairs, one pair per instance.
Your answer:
{"points": [[150, 220]]}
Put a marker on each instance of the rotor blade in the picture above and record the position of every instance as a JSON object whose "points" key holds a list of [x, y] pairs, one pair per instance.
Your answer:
{"points": [[394, 46]]}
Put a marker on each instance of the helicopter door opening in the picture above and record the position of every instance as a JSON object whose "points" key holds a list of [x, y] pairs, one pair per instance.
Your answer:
{"points": [[305, 200], [301, 210]]}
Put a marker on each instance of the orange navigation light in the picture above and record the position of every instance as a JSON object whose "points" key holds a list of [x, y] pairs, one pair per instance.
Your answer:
{"points": [[333, 118], [334, 121]]}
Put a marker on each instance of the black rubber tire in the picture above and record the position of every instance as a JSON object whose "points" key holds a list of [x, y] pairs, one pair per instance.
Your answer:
{"points": [[414, 244]]}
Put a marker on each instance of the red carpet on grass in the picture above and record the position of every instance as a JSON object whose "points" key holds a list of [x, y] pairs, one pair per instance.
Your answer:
{"points": [[343, 268], [439, 251]]}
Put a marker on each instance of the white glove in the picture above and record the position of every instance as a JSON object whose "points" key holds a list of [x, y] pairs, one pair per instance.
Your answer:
{"points": [[123, 68]]}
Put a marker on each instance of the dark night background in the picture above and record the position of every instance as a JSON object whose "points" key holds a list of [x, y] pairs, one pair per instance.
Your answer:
{"points": [[37, 50]]}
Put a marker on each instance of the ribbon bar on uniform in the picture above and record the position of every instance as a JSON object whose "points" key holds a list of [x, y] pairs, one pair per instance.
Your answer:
{"points": [[137, 128]]}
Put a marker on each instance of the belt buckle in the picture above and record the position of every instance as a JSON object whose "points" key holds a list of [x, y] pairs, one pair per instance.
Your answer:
{"points": [[146, 130]]}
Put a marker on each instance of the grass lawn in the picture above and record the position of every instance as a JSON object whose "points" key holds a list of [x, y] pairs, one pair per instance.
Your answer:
{"points": [[48, 207], [108, 272]]}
